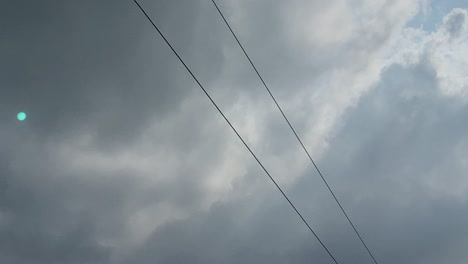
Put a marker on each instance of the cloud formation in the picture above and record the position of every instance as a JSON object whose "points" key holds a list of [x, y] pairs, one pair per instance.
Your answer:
{"points": [[123, 160], [455, 22]]}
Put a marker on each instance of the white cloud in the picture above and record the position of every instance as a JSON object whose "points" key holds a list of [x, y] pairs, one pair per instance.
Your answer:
{"points": [[446, 48]]}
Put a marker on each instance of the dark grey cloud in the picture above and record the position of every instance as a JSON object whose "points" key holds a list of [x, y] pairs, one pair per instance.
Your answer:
{"points": [[123, 160], [246, 231], [94, 66], [396, 165], [98, 70], [400, 168]]}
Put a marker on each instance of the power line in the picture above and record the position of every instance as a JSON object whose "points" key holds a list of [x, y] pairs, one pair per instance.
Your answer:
{"points": [[235, 131], [294, 131]]}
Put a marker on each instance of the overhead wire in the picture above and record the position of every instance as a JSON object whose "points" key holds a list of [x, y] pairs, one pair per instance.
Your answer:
{"points": [[237, 133], [294, 131]]}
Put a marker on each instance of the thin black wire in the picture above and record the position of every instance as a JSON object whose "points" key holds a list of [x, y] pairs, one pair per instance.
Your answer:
{"points": [[294, 131], [235, 131]]}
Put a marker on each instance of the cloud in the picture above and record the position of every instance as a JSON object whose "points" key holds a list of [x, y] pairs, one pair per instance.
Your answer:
{"points": [[91, 164], [124, 160], [400, 163], [455, 22]]}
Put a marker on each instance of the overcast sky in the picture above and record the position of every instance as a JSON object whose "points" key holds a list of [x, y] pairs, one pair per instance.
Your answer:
{"points": [[122, 158]]}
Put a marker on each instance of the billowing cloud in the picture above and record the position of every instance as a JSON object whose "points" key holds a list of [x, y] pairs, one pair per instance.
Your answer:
{"points": [[123, 160]]}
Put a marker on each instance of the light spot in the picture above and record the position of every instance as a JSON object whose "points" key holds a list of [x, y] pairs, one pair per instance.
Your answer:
{"points": [[21, 116]]}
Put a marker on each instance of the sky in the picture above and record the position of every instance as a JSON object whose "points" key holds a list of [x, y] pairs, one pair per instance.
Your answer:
{"points": [[123, 159]]}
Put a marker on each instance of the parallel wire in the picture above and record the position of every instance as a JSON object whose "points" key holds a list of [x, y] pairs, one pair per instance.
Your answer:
{"points": [[294, 131], [235, 131]]}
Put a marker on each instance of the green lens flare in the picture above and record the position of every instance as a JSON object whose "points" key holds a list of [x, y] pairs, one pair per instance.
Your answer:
{"points": [[21, 116]]}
